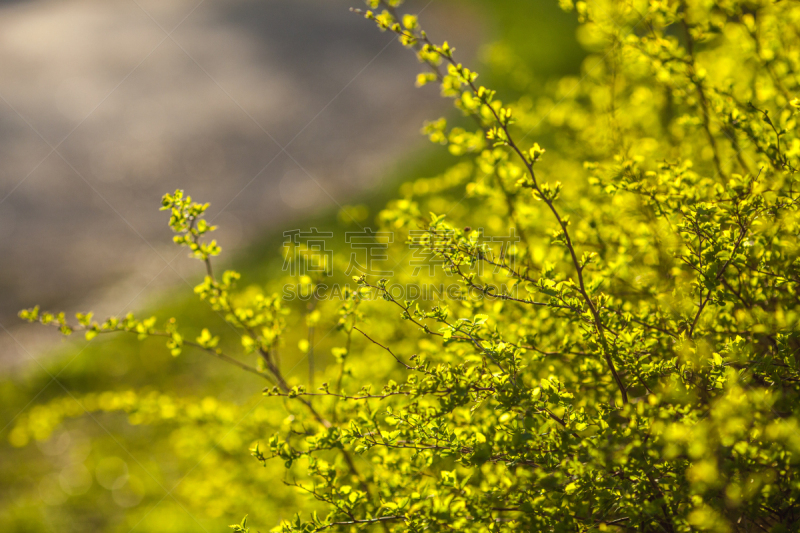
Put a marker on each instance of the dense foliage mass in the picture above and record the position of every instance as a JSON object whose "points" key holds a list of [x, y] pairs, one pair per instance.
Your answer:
{"points": [[627, 357]]}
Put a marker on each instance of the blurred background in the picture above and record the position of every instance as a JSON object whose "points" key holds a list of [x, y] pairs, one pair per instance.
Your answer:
{"points": [[278, 113], [267, 109]]}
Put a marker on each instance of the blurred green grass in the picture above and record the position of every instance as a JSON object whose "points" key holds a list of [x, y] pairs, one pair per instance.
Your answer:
{"points": [[543, 39]]}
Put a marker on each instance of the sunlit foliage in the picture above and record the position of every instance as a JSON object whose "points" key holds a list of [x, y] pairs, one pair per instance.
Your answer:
{"points": [[630, 361]]}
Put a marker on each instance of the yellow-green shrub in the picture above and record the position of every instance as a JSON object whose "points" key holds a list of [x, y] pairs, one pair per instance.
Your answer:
{"points": [[632, 361]]}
